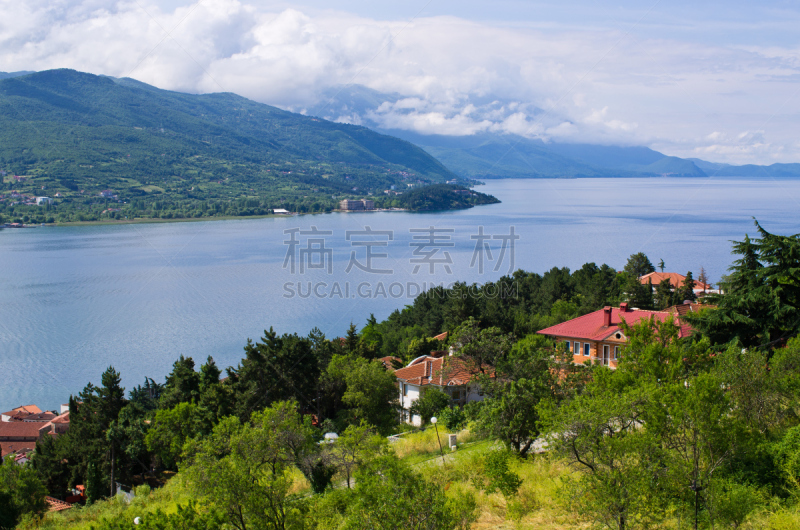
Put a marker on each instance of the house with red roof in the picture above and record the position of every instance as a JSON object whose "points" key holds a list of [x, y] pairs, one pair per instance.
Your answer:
{"points": [[675, 281], [598, 337], [16, 436], [440, 370], [19, 413]]}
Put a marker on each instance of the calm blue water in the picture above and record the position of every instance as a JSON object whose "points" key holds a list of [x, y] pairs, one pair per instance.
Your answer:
{"points": [[74, 300]]}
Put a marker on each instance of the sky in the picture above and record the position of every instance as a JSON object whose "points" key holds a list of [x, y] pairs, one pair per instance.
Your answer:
{"points": [[713, 80]]}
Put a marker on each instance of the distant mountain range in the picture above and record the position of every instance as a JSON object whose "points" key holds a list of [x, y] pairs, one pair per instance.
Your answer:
{"points": [[493, 155]]}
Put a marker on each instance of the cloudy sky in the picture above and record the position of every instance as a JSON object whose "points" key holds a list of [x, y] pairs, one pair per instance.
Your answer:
{"points": [[715, 80]]}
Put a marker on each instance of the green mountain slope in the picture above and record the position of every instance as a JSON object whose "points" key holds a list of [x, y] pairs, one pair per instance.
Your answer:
{"points": [[78, 134]]}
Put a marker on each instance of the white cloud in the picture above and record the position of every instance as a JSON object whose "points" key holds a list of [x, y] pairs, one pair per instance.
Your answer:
{"points": [[455, 76]]}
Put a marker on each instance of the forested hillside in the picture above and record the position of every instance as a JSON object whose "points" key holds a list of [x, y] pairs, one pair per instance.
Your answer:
{"points": [[70, 136]]}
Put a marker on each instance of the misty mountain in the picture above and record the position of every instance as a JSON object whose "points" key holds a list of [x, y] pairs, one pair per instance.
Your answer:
{"points": [[497, 155]]}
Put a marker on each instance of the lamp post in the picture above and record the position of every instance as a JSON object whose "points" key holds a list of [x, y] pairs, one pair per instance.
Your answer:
{"points": [[441, 451]]}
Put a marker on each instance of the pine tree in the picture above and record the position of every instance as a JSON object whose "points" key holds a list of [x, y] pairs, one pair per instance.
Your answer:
{"points": [[686, 291], [663, 294], [703, 278]]}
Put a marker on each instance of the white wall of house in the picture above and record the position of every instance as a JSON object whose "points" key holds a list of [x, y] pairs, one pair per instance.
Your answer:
{"points": [[468, 394]]}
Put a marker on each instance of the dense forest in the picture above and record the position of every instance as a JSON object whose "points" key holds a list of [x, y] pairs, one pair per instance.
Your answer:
{"points": [[103, 148], [695, 432]]}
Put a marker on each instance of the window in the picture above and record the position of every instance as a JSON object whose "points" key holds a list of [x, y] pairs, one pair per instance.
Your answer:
{"points": [[569, 345], [405, 389], [576, 348], [616, 352], [605, 354], [586, 349]]}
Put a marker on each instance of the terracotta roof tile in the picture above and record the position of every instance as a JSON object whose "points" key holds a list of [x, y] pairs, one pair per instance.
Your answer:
{"points": [[20, 429], [675, 279], [56, 505], [388, 361], [442, 371], [591, 326], [6, 448]]}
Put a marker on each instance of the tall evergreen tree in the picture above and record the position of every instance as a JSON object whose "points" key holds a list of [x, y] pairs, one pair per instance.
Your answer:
{"points": [[663, 295], [183, 384], [760, 303], [91, 415], [685, 292]]}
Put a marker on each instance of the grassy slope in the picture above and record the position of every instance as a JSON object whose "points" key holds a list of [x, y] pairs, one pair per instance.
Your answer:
{"points": [[539, 504]]}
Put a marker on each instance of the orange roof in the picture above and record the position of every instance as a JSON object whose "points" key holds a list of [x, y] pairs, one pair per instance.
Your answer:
{"points": [[20, 430], [675, 279], [442, 371], [441, 336], [56, 505], [6, 448], [592, 326], [24, 409]]}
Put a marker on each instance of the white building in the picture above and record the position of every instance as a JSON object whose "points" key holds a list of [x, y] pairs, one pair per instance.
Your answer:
{"points": [[43, 200], [447, 373]]}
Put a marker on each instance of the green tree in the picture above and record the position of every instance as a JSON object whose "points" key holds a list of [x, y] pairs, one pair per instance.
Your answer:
{"points": [[699, 435], [371, 393], [245, 468], [275, 368], [761, 300], [480, 348], [619, 463], [169, 431], [91, 415], [529, 377], [638, 265], [357, 444], [389, 495], [50, 460], [21, 492], [686, 290], [430, 403], [663, 294], [183, 384]]}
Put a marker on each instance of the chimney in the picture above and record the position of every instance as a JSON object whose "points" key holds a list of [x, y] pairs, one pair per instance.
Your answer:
{"points": [[607, 316], [623, 307]]}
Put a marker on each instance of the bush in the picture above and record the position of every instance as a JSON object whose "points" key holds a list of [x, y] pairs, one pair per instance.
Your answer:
{"points": [[454, 418]]}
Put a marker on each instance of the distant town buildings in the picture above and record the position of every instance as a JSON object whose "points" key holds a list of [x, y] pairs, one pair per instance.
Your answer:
{"points": [[22, 427], [355, 205], [43, 200]]}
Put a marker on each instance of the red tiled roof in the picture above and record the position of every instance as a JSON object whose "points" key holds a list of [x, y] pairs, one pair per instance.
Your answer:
{"points": [[675, 279], [6, 448], [387, 361], [61, 418], [41, 416], [683, 309], [56, 505], [20, 429], [591, 326], [441, 336], [442, 371]]}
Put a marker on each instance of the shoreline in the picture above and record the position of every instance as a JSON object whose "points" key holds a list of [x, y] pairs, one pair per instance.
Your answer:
{"points": [[148, 220]]}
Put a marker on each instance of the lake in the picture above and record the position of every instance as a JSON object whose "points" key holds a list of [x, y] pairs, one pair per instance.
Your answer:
{"points": [[75, 300]]}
